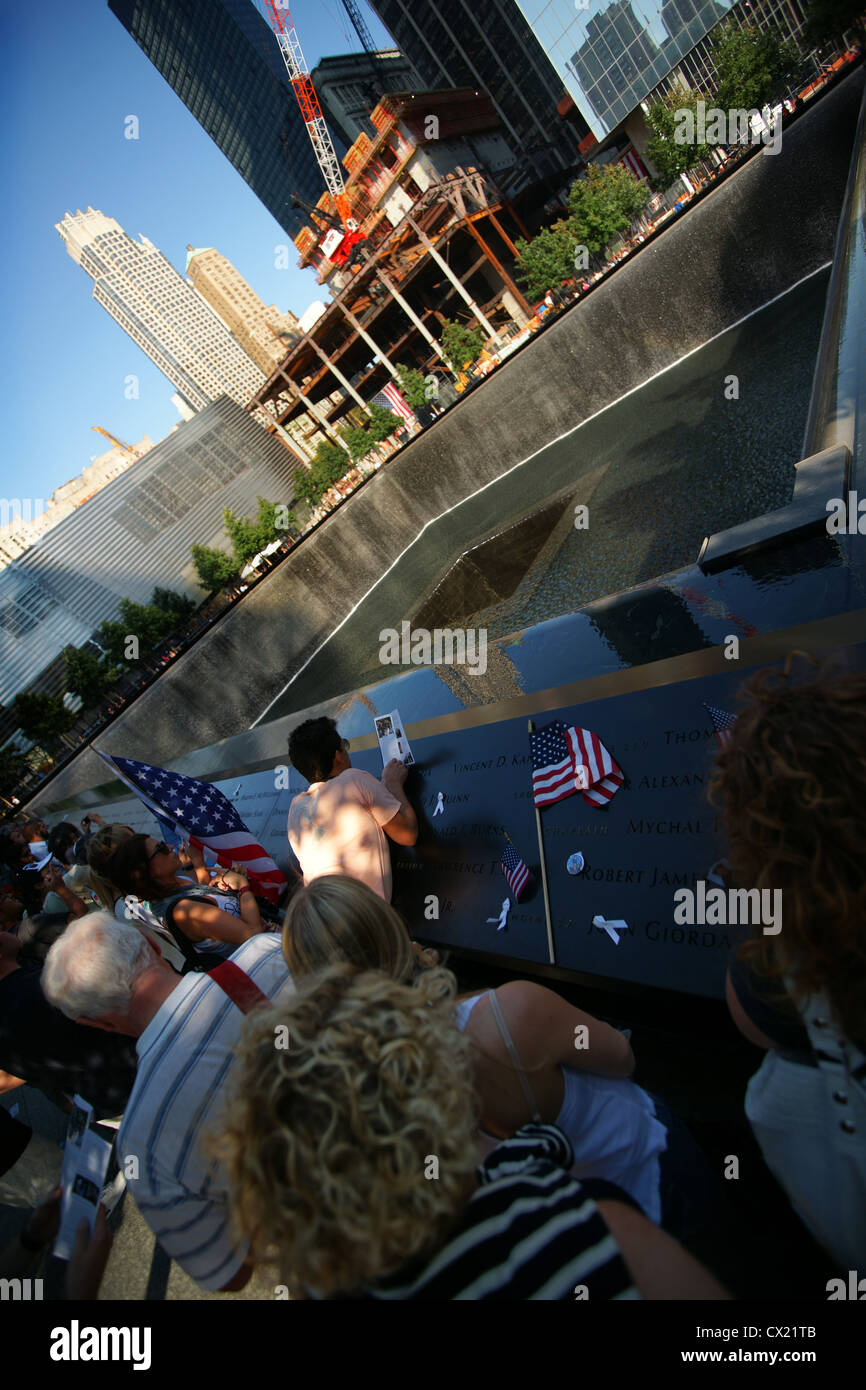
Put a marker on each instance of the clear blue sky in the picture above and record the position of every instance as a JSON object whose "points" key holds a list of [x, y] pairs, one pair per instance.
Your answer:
{"points": [[71, 74]]}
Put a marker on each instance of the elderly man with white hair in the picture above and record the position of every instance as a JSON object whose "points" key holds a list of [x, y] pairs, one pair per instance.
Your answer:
{"points": [[107, 975]]}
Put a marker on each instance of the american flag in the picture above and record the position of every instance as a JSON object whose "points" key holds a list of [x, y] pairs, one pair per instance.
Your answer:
{"points": [[204, 816], [722, 723], [566, 760], [514, 870], [390, 398]]}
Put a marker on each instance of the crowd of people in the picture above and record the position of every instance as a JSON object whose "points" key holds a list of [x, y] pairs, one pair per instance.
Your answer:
{"points": [[307, 1092]]}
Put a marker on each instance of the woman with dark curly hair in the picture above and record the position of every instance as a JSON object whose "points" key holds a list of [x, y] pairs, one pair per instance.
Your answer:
{"points": [[791, 783]]}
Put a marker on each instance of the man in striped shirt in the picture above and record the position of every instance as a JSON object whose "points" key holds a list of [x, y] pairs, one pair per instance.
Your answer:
{"points": [[106, 974]]}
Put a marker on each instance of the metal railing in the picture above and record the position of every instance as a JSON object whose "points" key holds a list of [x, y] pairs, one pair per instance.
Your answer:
{"points": [[837, 409]]}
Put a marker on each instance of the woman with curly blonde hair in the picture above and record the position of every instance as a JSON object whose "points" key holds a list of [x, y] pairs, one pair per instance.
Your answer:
{"points": [[791, 783], [350, 1145], [527, 1064]]}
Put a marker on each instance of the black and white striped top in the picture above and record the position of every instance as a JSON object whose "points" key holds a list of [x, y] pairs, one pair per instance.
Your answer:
{"points": [[531, 1231]]}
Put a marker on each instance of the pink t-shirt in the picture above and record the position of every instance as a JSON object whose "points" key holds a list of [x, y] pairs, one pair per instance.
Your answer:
{"points": [[335, 827]]}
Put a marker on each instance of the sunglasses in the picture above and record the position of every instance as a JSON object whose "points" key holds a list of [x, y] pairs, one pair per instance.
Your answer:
{"points": [[162, 848]]}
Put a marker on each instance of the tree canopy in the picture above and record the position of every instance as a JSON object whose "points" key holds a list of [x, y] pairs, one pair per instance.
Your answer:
{"points": [[670, 156], [215, 569], [752, 67], [604, 201], [828, 20], [42, 718], [248, 536], [383, 422], [88, 675], [544, 262], [412, 386], [461, 343]]}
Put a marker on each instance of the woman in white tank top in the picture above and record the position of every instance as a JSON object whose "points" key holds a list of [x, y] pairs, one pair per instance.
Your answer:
{"points": [[536, 1056]]}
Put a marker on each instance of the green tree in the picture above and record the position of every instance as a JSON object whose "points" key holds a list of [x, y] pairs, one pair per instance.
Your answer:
{"points": [[178, 605], [42, 718], [146, 622], [603, 202], [383, 423], [12, 764], [542, 263], [672, 156], [412, 386], [752, 67], [828, 20], [461, 344], [331, 462], [88, 675], [359, 441], [215, 569], [243, 537], [248, 536]]}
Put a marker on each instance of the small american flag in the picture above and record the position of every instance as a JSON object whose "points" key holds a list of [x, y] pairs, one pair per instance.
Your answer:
{"points": [[722, 723], [201, 813], [514, 870], [390, 398], [566, 760]]}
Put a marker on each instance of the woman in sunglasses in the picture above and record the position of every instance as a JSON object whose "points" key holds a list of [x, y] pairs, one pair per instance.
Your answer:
{"points": [[202, 918]]}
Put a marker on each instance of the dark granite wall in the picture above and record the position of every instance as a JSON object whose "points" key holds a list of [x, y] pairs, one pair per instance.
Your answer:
{"points": [[767, 227]]}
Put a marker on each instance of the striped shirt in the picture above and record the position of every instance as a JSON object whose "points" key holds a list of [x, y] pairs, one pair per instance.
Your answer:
{"points": [[185, 1069], [530, 1231]]}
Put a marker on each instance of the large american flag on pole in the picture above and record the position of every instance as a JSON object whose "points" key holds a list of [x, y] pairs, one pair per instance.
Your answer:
{"points": [[391, 399], [203, 815], [568, 759]]}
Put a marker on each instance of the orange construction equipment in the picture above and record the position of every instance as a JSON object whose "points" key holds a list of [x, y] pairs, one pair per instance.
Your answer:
{"points": [[336, 248]]}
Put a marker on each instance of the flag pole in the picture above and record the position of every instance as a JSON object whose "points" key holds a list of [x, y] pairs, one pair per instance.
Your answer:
{"points": [[550, 948]]}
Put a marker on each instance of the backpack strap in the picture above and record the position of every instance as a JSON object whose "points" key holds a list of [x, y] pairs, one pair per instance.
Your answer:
{"points": [[238, 986]]}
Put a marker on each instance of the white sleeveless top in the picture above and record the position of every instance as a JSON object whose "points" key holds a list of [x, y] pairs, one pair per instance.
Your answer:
{"points": [[612, 1127]]}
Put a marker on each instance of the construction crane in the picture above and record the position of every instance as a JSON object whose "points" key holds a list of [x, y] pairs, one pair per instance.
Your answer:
{"points": [[118, 443], [335, 246], [360, 26]]}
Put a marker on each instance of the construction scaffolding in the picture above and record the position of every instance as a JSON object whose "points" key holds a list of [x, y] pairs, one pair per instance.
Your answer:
{"points": [[436, 242]]}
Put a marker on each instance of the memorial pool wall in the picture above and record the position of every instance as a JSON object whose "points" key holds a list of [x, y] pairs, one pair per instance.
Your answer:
{"points": [[770, 225]]}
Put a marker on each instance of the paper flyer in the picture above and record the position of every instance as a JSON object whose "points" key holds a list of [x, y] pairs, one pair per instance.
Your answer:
{"points": [[393, 742], [85, 1163]]}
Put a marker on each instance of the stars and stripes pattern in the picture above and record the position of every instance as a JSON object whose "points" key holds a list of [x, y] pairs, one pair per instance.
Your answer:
{"points": [[514, 870], [598, 776], [391, 399], [569, 759], [202, 814], [722, 723]]}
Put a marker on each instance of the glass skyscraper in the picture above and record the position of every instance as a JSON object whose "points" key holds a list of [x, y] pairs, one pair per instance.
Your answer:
{"points": [[611, 53], [490, 46], [224, 63]]}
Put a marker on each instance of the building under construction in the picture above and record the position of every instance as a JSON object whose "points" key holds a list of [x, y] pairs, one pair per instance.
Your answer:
{"points": [[433, 241]]}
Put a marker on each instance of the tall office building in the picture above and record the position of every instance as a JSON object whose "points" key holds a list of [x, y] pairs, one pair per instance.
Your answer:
{"points": [[141, 289], [459, 43], [349, 86], [261, 329], [223, 61]]}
